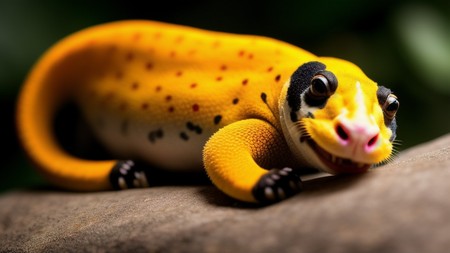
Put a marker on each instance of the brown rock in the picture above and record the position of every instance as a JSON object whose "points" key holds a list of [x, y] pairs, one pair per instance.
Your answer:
{"points": [[400, 207]]}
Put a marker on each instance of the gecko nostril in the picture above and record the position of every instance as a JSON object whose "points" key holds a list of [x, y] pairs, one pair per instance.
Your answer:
{"points": [[372, 141], [342, 133]]}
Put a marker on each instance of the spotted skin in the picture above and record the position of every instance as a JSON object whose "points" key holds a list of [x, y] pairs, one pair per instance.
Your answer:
{"points": [[174, 97]]}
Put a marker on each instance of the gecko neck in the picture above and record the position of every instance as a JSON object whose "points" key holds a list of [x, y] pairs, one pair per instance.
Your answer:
{"points": [[288, 127]]}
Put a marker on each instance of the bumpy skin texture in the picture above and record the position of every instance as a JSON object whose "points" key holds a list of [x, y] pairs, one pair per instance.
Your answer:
{"points": [[157, 92]]}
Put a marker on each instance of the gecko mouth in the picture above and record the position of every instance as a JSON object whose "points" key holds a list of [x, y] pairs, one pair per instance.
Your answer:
{"points": [[335, 163]]}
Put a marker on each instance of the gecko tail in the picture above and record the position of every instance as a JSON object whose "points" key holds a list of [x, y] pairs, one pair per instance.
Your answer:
{"points": [[48, 86]]}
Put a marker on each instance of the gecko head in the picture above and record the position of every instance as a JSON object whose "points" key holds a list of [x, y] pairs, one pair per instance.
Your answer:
{"points": [[336, 119]]}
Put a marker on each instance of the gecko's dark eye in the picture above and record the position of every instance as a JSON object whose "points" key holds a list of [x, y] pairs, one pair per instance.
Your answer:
{"points": [[391, 106], [319, 86], [322, 86]]}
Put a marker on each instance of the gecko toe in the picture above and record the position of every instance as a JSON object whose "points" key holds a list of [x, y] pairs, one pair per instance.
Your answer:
{"points": [[276, 185], [128, 174]]}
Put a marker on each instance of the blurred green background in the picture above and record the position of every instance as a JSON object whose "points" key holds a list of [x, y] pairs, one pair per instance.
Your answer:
{"points": [[404, 45]]}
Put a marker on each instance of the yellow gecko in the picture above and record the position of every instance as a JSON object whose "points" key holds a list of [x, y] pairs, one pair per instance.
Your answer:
{"points": [[253, 111]]}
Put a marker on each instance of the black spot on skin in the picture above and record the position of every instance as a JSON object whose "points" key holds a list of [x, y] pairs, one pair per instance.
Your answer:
{"points": [[235, 101], [195, 128], [154, 135], [300, 81], [382, 94], [310, 115], [264, 97], [159, 133], [277, 78], [217, 119], [190, 126], [184, 136]]}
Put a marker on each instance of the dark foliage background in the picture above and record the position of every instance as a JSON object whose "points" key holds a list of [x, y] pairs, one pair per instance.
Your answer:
{"points": [[404, 45]]}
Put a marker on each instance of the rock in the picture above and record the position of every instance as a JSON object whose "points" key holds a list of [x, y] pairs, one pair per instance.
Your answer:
{"points": [[400, 207]]}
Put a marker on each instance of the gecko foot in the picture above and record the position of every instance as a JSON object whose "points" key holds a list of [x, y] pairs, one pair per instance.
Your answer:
{"points": [[276, 185], [128, 174]]}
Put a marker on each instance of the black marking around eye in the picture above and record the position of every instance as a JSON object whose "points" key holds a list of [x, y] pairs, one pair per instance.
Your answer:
{"points": [[382, 95], [155, 134], [294, 117], [393, 127], [300, 81]]}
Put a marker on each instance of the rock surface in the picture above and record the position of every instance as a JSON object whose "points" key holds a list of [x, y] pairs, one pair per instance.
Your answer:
{"points": [[400, 207]]}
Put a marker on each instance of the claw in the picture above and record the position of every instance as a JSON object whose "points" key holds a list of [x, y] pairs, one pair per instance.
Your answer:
{"points": [[281, 194], [275, 177], [268, 192], [270, 181], [283, 173]]}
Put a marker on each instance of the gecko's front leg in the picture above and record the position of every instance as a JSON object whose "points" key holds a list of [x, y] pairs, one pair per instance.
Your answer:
{"points": [[238, 158]]}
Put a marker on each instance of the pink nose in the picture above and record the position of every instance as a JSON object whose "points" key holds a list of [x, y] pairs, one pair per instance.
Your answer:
{"points": [[360, 138]]}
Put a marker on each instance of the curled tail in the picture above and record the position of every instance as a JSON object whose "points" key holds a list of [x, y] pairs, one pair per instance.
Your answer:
{"points": [[48, 85]]}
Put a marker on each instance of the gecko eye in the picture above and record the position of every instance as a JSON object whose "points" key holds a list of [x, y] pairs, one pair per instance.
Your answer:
{"points": [[322, 86], [391, 106], [319, 86]]}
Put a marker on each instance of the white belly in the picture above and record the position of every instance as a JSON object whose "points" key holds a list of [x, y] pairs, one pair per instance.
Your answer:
{"points": [[168, 147]]}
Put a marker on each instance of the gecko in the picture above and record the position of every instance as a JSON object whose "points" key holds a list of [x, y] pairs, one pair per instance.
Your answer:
{"points": [[252, 111]]}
